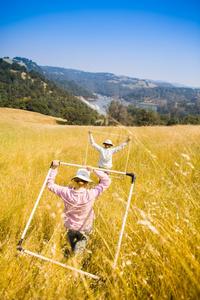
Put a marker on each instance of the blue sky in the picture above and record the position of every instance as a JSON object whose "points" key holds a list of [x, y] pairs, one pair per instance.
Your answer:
{"points": [[148, 39]]}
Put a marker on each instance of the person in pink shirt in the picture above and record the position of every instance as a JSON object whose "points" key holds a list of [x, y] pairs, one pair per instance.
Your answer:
{"points": [[78, 203]]}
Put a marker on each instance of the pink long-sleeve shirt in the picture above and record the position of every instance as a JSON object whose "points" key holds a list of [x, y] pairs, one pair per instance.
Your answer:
{"points": [[78, 204]]}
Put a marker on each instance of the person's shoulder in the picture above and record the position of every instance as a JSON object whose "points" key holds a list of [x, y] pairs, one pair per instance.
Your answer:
{"points": [[68, 189]]}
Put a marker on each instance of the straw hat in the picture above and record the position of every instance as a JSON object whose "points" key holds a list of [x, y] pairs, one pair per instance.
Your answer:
{"points": [[83, 174], [108, 142]]}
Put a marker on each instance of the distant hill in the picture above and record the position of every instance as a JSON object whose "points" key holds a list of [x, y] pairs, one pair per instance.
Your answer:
{"points": [[28, 63], [164, 97], [99, 89], [68, 85], [30, 90], [107, 84]]}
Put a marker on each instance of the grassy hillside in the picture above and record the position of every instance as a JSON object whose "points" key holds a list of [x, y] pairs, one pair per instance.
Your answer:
{"points": [[160, 252]]}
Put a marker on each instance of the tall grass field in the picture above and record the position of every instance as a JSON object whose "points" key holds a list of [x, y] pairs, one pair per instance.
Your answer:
{"points": [[160, 252]]}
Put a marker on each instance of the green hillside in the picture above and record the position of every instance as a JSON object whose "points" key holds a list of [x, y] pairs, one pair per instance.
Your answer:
{"points": [[68, 85], [29, 90]]}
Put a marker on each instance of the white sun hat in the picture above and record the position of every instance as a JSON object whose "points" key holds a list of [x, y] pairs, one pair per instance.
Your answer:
{"points": [[108, 142], [83, 174]]}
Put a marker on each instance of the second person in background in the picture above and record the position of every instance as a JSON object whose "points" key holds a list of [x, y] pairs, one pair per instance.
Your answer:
{"points": [[106, 151]]}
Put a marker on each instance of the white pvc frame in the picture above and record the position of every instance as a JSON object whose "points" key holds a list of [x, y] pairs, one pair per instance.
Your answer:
{"points": [[23, 250]]}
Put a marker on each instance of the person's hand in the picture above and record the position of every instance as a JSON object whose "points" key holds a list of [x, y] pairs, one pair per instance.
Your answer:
{"points": [[55, 164], [128, 139]]}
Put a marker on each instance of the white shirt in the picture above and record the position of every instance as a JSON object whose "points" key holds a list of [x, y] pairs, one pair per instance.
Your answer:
{"points": [[105, 158]]}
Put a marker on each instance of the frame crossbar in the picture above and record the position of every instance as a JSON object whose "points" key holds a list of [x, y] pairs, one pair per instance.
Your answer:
{"points": [[93, 168], [60, 264]]}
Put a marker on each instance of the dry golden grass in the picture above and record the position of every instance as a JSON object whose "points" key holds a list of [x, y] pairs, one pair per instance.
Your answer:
{"points": [[160, 252]]}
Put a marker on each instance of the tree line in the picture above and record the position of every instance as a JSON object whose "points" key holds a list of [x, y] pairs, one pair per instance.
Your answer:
{"points": [[133, 116]]}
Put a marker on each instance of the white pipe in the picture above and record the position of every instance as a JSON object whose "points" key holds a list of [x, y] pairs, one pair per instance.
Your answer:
{"points": [[123, 226], [60, 264], [129, 148], [93, 168], [35, 206], [86, 153]]}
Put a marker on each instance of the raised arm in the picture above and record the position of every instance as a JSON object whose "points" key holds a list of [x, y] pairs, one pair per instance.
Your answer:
{"points": [[55, 188], [120, 147], [92, 142], [104, 183]]}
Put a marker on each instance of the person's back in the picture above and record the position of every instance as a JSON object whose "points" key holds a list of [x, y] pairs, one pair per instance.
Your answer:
{"points": [[78, 200]]}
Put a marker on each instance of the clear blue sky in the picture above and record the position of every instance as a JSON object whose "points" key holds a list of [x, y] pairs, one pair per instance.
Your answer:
{"points": [[147, 39]]}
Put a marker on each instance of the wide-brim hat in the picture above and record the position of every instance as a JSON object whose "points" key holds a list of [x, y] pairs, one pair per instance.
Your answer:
{"points": [[83, 174], [108, 142]]}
